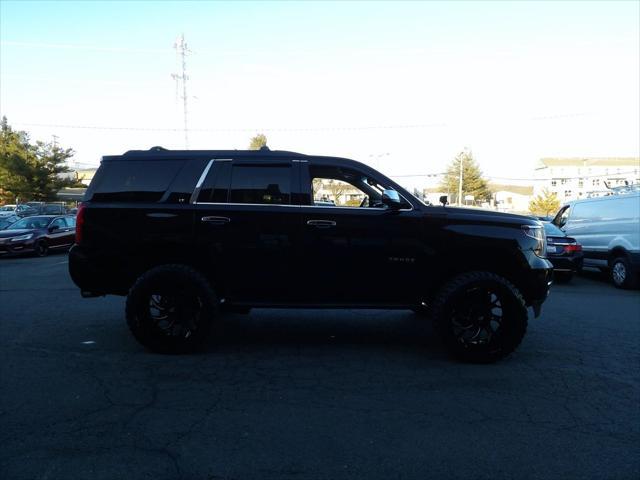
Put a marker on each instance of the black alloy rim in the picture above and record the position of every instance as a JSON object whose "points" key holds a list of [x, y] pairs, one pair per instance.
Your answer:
{"points": [[477, 316], [176, 316]]}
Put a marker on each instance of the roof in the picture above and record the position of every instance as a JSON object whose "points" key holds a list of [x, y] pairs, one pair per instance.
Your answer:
{"points": [[591, 162], [163, 153]]}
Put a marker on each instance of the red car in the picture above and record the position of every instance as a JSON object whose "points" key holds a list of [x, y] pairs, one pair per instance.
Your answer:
{"points": [[38, 234]]}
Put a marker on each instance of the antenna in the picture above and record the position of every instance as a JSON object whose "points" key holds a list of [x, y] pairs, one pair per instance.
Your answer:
{"points": [[181, 53]]}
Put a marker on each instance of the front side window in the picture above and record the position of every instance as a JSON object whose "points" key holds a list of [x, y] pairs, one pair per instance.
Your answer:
{"points": [[260, 184], [71, 221], [59, 222], [344, 187]]}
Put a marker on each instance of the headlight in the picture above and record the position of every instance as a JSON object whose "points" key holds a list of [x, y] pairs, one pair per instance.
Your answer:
{"points": [[26, 236], [537, 233]]}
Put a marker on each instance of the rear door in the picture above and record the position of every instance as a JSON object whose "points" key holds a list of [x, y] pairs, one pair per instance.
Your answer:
{"points": [[247, 228]]}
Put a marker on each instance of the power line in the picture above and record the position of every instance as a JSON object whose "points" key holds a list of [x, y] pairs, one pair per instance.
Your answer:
{"points": [[254, 129]]}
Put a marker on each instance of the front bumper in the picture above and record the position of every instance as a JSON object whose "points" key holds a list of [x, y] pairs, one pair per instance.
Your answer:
{"points": [[7, 247]]}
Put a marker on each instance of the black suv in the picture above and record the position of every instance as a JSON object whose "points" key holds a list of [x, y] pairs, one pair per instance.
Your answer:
{"points": [[189, 234]]}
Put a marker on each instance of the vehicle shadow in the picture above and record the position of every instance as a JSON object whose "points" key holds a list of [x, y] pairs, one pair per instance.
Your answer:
{"points": [[294, 328]]}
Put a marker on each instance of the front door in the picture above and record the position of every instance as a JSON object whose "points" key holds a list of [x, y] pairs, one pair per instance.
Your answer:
{"points": [[247, 228], [357, 250]]}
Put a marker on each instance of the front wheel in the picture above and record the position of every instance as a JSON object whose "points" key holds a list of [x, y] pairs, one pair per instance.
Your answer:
{"points": [[481, 316], [41, 249], [169, 309]]}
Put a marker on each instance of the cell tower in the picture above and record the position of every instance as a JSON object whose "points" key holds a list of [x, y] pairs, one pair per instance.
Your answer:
{"points": [[181, 80]]}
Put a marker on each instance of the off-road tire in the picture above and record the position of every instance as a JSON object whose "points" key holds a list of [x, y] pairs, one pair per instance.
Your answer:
{"points": [[512, 328], [183, 284]]}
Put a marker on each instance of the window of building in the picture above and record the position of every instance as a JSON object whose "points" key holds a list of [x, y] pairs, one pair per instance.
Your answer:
{"points": [[554, 183], [567, 193], [595, 182], [580, 183], [563, 181]]}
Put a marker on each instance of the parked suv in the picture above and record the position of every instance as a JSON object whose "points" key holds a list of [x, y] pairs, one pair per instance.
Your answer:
{"points": [[188, 234]]}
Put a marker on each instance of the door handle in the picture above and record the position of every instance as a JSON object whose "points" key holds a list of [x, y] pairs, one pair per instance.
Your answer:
{"points": [[321, 223], [215, 220]]}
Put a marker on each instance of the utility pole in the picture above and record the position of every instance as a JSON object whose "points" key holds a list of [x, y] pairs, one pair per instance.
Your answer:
{"points": [[182, 51], [460, 183]]}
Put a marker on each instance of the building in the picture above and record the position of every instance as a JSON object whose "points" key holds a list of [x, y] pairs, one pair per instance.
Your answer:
{"points": [[511, 198], [574, 178]]}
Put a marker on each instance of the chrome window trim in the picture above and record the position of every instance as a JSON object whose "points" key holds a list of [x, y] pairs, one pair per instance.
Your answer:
{"points": [[301, 206], [203, 175]]}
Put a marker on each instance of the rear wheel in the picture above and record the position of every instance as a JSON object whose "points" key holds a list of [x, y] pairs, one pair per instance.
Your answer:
{"points": [[622, 274], [170, 309], [481, 316]]}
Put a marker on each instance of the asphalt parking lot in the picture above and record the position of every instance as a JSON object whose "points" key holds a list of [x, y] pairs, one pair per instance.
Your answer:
{"points": [[312, 394]]}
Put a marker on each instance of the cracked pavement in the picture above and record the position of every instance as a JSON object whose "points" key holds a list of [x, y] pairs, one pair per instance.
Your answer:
{"points": [[312, 394]]}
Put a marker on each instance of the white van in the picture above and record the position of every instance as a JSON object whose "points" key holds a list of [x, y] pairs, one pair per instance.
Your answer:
{"points": [[609, 230]]}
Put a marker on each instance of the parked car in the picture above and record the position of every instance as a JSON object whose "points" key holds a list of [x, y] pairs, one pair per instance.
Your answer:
{"points": [[53, 209], [564, 252], [38, 234], [24, 210], [7, 210], [186, 234], [608, 229], [8, 220]]}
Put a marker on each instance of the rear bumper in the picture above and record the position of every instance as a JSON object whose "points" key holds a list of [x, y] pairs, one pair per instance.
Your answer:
{"points": [[572, 264], [94, 276]]}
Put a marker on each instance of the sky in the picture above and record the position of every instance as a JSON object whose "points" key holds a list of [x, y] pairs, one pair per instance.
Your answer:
{"points": [[401, 86]]}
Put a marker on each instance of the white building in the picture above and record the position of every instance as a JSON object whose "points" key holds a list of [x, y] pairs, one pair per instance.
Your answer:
{"points": [[574, 178]]}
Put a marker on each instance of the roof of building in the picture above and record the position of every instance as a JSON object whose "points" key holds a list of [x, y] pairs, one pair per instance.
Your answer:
{"points": [[590, 162]]}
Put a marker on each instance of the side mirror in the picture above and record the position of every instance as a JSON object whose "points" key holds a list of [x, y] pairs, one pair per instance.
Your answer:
{"points": [[53, 228], [391, 199], [444, 200]]}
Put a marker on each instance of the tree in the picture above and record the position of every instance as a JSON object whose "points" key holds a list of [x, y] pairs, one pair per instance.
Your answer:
{"points": [[260, 140], [472, 181], [545, 204], [31, 171]]}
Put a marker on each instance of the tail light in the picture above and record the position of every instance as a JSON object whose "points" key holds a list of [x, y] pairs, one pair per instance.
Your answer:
{"points": [[536, 232], [573, 248], [80, 224]]}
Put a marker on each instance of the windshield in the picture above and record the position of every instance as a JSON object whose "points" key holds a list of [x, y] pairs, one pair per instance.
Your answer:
{"points": [[30, 223], [551, 229], [7, 208], [5, 222]]}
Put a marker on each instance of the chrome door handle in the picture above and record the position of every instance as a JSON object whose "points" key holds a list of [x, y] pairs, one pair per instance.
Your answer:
{"points": [[321, 223], [216, 220]]}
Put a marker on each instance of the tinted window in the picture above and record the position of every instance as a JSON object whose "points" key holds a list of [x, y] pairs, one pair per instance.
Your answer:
{"points": [[59, 222], [216, 186], [185, 182], [134, 181], [260, 184]]}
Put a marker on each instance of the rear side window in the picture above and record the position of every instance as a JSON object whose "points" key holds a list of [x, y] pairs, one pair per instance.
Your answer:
{"points": [[215, 188], [260, 184], [133, 181]]}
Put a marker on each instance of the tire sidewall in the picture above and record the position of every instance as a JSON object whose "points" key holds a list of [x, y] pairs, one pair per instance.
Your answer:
{"points": [[514, 322], [41, 249], [161, 279]]}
